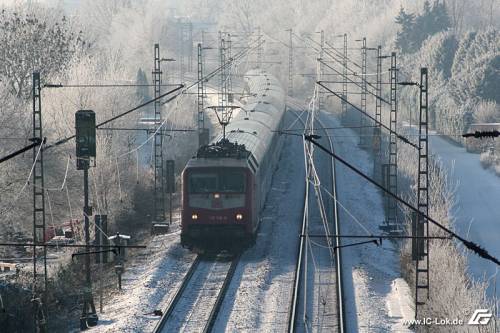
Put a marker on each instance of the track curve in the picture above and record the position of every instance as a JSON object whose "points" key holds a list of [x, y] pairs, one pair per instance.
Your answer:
{"points": [[337, 242]]}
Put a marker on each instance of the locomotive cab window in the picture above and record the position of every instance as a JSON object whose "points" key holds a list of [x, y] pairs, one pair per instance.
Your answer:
{"points": [[202, 182], [232, 181], [229, 181]]}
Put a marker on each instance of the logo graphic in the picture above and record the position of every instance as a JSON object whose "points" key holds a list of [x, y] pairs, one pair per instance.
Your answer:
{"points": [[480, 317]]}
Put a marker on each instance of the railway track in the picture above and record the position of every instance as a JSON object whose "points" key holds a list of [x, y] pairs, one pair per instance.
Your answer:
{"points": [[197, 302], [293, 308]]}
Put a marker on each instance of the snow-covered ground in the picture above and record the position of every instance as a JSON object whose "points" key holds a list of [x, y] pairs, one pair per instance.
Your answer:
{"points": [[148, 284], [377, 298], [259, 295], [192, 311], [476, 210], [476, 203], [320, 285]]}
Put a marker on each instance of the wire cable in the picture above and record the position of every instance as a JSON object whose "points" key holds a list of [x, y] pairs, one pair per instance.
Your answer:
{"points": [[29, 175], [347, 211], [469, 244]]}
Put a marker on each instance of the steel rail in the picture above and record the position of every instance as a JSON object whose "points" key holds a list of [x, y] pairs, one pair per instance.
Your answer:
{"points": [[161, 325], [178, 295], [292, 311], [338, 256], [221, 295], [338, 251]]}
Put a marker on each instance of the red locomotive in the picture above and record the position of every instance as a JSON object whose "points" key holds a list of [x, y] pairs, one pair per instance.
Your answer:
{"points": [[224, 187]]}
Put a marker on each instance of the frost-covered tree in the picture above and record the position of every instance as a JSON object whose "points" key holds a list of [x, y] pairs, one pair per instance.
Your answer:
{"points": [[476, 65], [423, 25], [34, 41], [415, 29], [404, 37], [487, 112], [142, 91], [96, 17]]}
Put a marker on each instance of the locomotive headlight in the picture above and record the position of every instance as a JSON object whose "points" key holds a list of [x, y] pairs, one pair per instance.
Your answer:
{"points": [[239, 217], [194, 216], [216, 195]]}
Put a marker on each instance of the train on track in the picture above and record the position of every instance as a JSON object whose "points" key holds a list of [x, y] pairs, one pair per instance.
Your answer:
{"points": [[224, 186]]}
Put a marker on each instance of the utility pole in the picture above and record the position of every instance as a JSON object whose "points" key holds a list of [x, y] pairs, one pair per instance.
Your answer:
{"points": [[392, 214], [39, 289], [203, 135], [344, 79], [180, 34], [222, 76], [190, 45], [185, 37], [362, 131], [223, 110], [377, 131], [170, 180], [159, 193], [420, 225], [259, 48], [85, 150], [223, 84], [321, 92], [229, 82], [290, 64]]}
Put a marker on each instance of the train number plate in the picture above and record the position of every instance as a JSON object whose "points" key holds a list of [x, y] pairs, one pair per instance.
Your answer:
{"points": [[218, 218]]}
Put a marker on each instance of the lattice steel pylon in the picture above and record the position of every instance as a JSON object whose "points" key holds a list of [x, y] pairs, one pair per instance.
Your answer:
{"points": [[363, 139], [185, 37], [392, 214], [223, 83], [223, 110], [223, 103], [260, 50], [202, 131], [229, 82], [421, 225], [344, 78], [290, 64], [181, 50], [159, 193], [321, 92], [39, 289], [190, 46], [378, 100], [377, 131]]}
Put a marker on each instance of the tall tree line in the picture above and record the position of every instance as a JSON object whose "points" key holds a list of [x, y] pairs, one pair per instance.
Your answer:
{"points": [[416, 28]]}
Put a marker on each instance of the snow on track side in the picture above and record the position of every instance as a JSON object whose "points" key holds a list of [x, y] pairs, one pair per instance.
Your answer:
{"points": [[198, 301], [259, 295], [376, 297], [322, 313], [149, 282]]}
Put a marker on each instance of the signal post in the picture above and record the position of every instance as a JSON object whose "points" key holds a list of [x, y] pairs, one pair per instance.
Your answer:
{"points": [[85, 151]]}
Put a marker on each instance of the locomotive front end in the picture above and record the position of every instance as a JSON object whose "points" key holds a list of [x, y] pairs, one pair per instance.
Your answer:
{"points": [[217, 204]]}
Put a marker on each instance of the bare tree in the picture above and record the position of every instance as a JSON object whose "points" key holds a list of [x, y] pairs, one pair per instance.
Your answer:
{"points": [[32, 43]]}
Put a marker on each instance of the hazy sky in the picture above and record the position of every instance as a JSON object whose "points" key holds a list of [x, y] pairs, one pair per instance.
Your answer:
{"points": [[68, 4]]}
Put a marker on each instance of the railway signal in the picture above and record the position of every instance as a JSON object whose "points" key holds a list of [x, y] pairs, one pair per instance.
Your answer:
{"points": [[170, 185], [85, 152], [101, 229], [119, 240]]}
